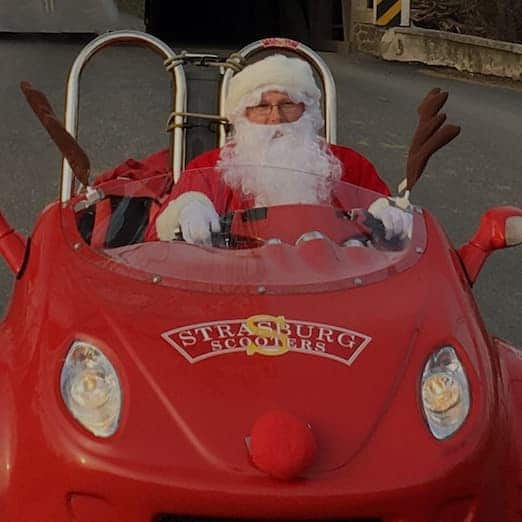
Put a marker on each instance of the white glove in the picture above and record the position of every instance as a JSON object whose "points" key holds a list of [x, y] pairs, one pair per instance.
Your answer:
{"points": [[197, 220], [396, 218]]}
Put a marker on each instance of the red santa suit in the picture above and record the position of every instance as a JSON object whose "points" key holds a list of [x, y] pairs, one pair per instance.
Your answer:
{"points": [[201, 177], [202, 194]]}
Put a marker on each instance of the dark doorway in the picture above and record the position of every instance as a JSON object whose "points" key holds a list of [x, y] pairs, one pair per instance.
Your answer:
{"points": [[238, 22]]}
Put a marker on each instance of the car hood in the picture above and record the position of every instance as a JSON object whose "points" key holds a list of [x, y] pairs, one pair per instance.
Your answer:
{"points": [[189, 404], [338, 374]]}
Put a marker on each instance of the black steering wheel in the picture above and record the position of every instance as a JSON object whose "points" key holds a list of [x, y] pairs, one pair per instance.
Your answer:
{"points": [[363, 227]]}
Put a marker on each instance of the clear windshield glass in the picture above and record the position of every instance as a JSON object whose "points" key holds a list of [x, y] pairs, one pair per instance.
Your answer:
{"points": [[284, 230]]}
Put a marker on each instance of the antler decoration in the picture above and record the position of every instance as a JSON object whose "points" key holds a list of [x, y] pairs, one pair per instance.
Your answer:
{"points": [[68, 146], [429, 137]]}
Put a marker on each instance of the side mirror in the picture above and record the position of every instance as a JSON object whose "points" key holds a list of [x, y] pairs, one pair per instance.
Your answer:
{"points": [[12, 246], [499, 227]]}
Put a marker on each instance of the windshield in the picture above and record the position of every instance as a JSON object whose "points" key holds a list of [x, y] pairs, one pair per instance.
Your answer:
{"points": [[308, 232]]}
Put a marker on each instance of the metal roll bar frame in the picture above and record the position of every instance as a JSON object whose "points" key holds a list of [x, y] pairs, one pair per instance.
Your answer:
{"points": [[318, 64], [174, 64], [72, 99]]}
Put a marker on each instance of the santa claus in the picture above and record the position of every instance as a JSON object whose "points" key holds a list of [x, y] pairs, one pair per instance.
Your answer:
{"points": [[275, 156]]}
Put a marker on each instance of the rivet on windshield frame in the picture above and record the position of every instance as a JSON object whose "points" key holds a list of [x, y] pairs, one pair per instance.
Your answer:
{"points": [[357, 281], [77, 246], [156, 279], [261, 289], [419, 250]]}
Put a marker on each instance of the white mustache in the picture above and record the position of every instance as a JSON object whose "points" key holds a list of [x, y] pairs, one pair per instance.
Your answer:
{"points": [[293, 146]]}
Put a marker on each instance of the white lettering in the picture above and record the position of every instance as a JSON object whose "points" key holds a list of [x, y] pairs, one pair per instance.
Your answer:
{"points": [[265, 326], [230, 343], [187, 338], [243, 330], [244, 342], [300, 333], [266, 335], [204, 332], [306, 345], [320, 347], [346, 340], [327, 333], [261, 341], [284, 328], [216, 346], [224, 330]]}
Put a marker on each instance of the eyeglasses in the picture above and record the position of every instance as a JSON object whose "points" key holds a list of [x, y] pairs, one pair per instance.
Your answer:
{"points": [[287, 109]]}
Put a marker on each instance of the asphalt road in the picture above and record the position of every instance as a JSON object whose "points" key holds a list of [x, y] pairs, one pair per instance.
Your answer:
{"points": [[125, 101]]}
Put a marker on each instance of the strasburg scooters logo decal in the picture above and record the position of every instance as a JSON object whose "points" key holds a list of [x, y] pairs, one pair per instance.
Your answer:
{"points": [[266, 335]]}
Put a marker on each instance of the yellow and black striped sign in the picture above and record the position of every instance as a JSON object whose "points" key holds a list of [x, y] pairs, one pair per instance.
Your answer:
{"points": [[388, 12]]}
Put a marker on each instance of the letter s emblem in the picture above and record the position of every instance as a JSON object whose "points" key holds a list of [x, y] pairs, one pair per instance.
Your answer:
{"points": [[281, 340]]}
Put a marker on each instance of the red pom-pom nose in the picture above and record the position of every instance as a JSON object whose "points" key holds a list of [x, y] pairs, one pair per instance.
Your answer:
{"points": [[281, 445]]}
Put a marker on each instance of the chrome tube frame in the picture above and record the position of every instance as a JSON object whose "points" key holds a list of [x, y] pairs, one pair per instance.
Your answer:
{"points": [[318, 64], [72, 99]]}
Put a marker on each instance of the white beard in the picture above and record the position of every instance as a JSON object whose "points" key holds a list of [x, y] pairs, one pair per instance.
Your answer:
{"points": [[280, 164]]}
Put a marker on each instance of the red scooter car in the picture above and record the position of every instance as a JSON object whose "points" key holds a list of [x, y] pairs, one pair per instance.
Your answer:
{"points": [[303, 367]]}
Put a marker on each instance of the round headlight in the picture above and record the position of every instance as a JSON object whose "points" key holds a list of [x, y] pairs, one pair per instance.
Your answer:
{"points": [[444, 393], [440, 392], [91, 389]]}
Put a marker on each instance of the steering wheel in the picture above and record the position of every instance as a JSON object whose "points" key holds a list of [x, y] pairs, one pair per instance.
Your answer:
{"points": [[254, 227], [228, 240]]}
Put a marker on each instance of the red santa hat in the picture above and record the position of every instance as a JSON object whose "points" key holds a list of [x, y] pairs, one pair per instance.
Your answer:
{"points": [[278, 70]]}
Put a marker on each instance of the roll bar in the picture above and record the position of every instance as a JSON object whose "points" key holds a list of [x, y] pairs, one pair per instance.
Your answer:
{"points": [[174, 64], [318, 64], [72, 100]]}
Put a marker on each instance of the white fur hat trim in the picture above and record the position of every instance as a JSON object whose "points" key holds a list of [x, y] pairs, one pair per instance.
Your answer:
{"points": [[167, 223], [277, 69]]}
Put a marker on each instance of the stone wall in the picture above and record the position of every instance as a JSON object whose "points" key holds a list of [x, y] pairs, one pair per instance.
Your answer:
{"points": [[462, 52], [367, 38]]}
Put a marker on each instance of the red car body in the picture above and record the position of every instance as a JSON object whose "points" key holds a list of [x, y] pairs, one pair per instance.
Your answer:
{"points": [[191, 393]]}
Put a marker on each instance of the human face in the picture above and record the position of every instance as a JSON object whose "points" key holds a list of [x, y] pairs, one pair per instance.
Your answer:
{"points": [[275, 107]]}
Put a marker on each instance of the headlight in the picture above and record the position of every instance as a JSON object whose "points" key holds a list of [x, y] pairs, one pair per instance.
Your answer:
{"points": [[91, 389], [445, 393]]}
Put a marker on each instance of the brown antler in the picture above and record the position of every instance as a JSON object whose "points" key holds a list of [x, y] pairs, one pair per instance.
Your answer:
{"points": [[430, 135], [68, 146]]}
